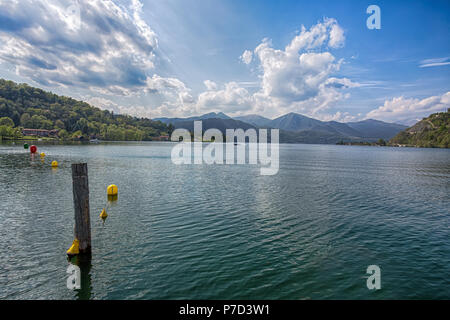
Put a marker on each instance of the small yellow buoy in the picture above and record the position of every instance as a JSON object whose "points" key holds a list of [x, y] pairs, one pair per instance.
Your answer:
{"points": [[42, 155], [112, 190], [54, 164], [103, 214], [74, 249]]}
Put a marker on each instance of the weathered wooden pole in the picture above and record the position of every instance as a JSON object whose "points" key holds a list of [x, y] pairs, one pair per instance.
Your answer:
{"points": [[82, 229]]}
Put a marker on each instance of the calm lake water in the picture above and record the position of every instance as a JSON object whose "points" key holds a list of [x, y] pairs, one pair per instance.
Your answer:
{"points": [[225, 231]]}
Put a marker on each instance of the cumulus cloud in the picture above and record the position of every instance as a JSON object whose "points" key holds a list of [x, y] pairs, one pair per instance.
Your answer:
{"points": [[108, 49], [298, 73], [339, 116], [409, 111], [170, 88], [337, 37], [95, 44], [247, 57], [102, 46], [298, 78], [210, 85], [166, 109], [230, 99]]}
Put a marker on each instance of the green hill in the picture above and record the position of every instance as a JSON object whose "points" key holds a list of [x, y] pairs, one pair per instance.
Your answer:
{"points": [[22, 106], [431, 132]]}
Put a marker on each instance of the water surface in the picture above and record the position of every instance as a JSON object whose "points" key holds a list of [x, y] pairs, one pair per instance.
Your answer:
{"points": [[225, 231]]}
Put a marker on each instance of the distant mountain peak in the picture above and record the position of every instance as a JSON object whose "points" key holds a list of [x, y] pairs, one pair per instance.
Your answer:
{"points": [[219, 115]]}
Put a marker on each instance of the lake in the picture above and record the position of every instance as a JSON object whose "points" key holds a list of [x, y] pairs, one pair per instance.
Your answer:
{"points": [[225, 231]]}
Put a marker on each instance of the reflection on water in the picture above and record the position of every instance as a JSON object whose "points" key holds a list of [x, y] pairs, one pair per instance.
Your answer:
{"points": [[225, 231]]}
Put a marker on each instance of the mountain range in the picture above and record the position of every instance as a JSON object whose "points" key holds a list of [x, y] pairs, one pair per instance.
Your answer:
{"points": [[296, 128]]}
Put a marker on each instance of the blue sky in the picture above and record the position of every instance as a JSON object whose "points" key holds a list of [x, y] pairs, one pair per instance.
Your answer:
{"points": [[186, 57]]}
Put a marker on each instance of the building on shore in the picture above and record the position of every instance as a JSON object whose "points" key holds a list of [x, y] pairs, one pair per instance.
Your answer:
{"points": [[40, 132], [162, 138]]}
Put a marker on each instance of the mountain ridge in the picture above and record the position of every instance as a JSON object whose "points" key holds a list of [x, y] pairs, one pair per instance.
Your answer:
{"points": [[295, 127]]}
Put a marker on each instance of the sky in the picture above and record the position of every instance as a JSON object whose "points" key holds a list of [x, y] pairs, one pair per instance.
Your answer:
{"points": [[179, 58]]}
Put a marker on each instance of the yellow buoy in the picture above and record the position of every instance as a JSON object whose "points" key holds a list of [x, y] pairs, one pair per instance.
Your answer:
{"points": [[54, 164], [42, 155], [112, 190], [74, 249], [103, 214]]}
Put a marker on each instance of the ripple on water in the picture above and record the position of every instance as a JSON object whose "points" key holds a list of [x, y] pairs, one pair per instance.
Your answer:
{"points": [[226, 232]]}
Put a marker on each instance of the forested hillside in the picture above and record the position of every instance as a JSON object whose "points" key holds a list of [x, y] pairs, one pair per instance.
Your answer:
{"points": [[22, 106], [433, 131]]}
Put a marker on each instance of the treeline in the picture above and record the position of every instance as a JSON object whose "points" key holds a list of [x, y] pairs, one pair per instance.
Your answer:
{"points": [[380, 142], [7, 129], [22, 106]]}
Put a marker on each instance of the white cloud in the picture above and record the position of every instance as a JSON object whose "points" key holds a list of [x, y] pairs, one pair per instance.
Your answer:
{"points": [[164, 110], [296, 79], [338, 116], [110, 45], [298, 73], [210, 85], [112, 51], [171, 88], [437, 62], [247, 57], [230, 99], [103, 46], [323, 33], [409, 111], [97, 45], [337, 37]]}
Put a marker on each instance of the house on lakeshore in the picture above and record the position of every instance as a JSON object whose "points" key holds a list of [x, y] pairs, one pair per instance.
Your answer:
{"points": [[40, 132], [161, 138]]}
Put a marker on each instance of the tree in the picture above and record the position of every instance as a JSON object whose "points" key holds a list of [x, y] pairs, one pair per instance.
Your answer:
{"points": [[170, 129], [77, 134], [25, 120], [6, 121], [6, 131], [83, 125], [59, 124], [63, 134]]}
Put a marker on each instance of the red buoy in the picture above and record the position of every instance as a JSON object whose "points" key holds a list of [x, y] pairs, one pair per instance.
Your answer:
{"points": [[33, 149]]}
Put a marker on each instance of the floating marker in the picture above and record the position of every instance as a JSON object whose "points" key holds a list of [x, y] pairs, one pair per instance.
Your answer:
{"points": [[25, 145], [112, 190], [54, 164], [103, 214], [74, 248], [42, 155], [33, 149]]}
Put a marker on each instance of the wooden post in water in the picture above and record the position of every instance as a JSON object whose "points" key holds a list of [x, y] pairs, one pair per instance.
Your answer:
{"points": [[82, 229]]}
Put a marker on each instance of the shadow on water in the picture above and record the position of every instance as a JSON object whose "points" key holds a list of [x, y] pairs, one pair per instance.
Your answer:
{"points": [[84, 263]]}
